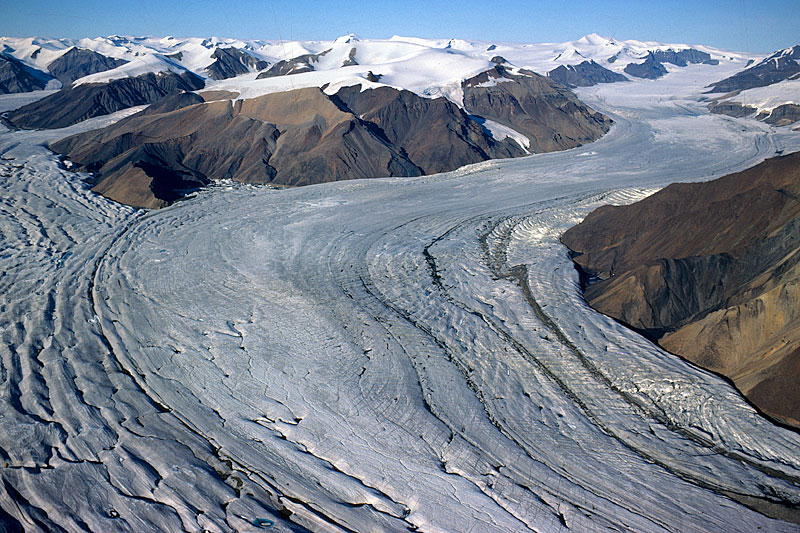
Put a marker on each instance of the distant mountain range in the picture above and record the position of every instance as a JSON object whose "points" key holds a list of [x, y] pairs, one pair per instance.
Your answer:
{"points": [[770, 90], [412, 106]]}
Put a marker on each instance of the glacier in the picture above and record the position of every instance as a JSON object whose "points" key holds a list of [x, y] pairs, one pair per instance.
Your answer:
{"points": [[370, 355]]}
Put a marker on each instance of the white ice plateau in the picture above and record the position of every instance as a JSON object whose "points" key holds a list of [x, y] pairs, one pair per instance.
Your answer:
{"points": [[372, 355]]}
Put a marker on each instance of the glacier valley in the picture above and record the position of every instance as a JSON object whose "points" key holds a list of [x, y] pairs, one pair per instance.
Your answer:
{"points": [[369, 355]]}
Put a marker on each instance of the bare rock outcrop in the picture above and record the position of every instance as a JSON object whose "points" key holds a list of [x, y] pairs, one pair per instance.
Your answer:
{"points": [[231, 62], [649, 69], [781, 65], [710, 271], [682, 58], [293, 138], [585, 74], [16, 77], [305, 136], [297, 65], [783, 115], [78, 62], [435, 133], [75, 104], [731, 108], [547, 113]]}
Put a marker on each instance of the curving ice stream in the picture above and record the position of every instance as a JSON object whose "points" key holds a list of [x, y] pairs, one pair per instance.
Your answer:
{"points": [[374, 355]]}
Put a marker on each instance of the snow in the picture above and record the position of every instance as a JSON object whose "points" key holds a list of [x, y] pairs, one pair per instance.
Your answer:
{"points": [[500, 132], [429, 67], [765, 99], [389, 354], [137, 66]]}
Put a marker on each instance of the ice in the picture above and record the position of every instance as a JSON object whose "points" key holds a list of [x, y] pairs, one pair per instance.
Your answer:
{"points": [[369, 355], [136, 66], [500, 132], [428, 67], [765, 99]]}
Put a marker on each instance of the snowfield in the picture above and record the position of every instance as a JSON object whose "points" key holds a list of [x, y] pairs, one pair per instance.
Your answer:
{"points": [[371, 355]]}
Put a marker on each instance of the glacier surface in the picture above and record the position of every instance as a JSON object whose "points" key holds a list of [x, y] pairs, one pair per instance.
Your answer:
{"points": [[372, 355]]}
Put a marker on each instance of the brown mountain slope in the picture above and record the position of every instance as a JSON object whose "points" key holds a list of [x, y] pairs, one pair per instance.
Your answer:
{"points": [[286, 138], [432, 131], [711, 271], [75, 104], [546, 112], [305, 136]]}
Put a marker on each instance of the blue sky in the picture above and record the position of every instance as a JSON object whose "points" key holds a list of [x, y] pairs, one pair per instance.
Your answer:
{"points": [[737, 25]]}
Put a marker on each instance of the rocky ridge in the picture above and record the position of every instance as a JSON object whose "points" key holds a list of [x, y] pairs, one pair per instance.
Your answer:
{"points": [[547, 113], [743, 97], [296, 65], [781, 65], [75, 104], [653, 68], [77, 63], [710, 271], [584, 74], [231, 62], [306, 136], [290, 138], [16, 77]]}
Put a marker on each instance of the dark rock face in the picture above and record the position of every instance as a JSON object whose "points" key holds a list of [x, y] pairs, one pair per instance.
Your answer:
{"points": [[287, 67], [585, 74], [711, 271], [434, 133], [15, 77], [779, 66], [75, 104], [546, 112], [351, 58], [651, 69], [683, 57], [77, 63], [148, 158], [784, 115], [732, 109], [231, 62]]}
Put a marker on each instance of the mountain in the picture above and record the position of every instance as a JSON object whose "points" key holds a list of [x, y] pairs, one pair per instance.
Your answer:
{"points": [[782, 65], [584, 74], [710, 271], [768, 91], [415, 64], [550, 116], [653, 65], [427, 67], [297, 65], [77, 63], [415, 106], [16, 77], [231, 62], [78, 103], [650, 69], [306, 136]]}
